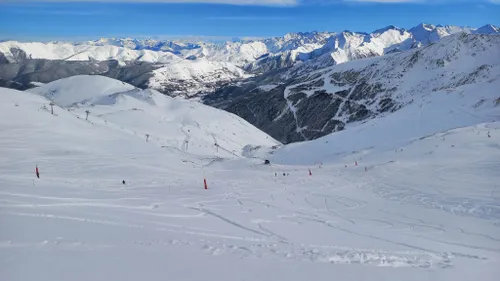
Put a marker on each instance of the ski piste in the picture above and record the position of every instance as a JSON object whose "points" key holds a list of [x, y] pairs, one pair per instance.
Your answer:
{"points": [[422, 202]]}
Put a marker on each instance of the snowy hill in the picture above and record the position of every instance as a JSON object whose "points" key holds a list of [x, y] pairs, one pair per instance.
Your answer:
{"points": [[81, 89], [427, 209], [185, 125], [292, 106]]}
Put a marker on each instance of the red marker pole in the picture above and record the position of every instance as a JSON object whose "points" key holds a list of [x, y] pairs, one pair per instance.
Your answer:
{"points": [[204, 178]]}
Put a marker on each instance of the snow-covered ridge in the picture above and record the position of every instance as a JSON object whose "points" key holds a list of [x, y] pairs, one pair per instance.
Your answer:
{"points": [[81, 52], [311, 105], [170, 122], [194, 69], [241, 53], [447, 85]]}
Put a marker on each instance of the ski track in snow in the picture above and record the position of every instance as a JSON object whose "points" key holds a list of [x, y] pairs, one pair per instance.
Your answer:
{"points": [[225, 223], [293, 109], [267, 237]]}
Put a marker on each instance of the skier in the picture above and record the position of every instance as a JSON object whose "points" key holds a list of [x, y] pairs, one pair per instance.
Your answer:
{"points": [[123, 181], [37, 173]]}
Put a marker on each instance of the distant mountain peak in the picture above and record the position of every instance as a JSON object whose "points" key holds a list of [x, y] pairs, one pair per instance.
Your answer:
{"points": [[488, 29], [295, 35], [424, 26], [387, 28], [209, 63]]}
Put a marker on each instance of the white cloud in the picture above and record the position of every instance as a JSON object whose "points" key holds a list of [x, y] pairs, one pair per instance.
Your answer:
{"points": [[55, 12], [231, 2], [420, 1], [388, 1]]}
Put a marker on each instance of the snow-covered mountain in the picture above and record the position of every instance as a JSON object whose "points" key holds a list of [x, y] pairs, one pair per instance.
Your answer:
{"points": [[241, 53], [296, 107], [395, 176], [387, 203], [164, 71], [425, 34], [487, 29], [14, 51], [192, 69], [188, 78], [146, 44], [177, 123], [336, 74]]}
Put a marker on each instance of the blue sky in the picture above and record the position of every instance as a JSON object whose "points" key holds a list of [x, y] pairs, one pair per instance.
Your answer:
{"points": [[91, 19]]}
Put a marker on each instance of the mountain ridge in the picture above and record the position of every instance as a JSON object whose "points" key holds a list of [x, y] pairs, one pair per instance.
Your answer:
{"points": [[293, 106], [294, 41], [269, 81]]}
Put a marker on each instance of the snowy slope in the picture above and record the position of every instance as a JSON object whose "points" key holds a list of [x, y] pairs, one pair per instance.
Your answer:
{"points": [[448, 85], [299, 104], [69, 91], [427, 115], [185, 125], [188, 78], [429, 212]]}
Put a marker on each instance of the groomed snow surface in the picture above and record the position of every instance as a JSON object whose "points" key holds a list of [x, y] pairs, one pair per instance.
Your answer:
{"points": [[170, 122], [426, 208]]}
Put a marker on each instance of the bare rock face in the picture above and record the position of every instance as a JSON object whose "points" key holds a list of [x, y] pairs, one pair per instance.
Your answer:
{"points": [[308, 107]]}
